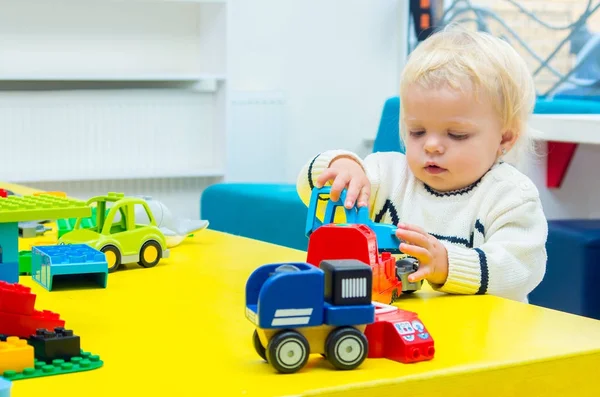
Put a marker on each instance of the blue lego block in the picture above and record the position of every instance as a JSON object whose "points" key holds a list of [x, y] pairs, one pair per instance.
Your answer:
{"points": [[276, 298], [349, 315], [48, 262], [572, 272], [9, 251], [5, 387], [9, 272]]}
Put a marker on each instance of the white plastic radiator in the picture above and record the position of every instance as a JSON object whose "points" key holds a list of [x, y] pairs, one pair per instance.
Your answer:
{"points": [[256, 137], [109, 135]]}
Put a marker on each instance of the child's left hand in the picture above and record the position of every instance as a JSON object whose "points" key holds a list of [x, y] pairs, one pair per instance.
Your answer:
{"points": [[431, 254]]}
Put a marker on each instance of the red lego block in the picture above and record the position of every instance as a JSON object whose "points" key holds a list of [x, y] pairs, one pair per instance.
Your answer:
{"points": [[24, 326], [18, 316], [399, 335], [16, 298]]}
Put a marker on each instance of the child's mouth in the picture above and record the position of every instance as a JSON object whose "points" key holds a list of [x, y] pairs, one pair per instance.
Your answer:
{"points": [[434, 169]]}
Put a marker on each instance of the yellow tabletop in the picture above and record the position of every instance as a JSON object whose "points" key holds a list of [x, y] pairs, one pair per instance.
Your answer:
{"points": [[179, 330]]}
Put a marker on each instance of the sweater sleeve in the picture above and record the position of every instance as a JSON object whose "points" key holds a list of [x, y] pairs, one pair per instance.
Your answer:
{"points": [[510, 263]]}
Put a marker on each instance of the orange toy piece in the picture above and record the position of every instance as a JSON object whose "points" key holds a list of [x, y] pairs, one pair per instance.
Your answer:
{"points": [[16, 354], [57, 194]]}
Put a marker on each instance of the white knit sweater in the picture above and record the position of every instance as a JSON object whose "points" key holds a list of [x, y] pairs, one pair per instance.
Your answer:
{"points": [[494, 230]]}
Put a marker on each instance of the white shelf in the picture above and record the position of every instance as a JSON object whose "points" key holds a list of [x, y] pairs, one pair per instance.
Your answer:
{"points": [[184, 173], [574, 128], [100, 77]]}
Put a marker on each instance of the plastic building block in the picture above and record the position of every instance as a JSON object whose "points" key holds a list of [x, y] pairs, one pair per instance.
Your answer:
{"points": [[15, 354], [59, 344], [399, 335], [358, 242], [9, 272], [287, 303], [63, 226], [85, 361], [5, 387], [48, 262], [44, 206], [55, 193], [118, 234], [17, 299], [25, 262], [9, 251], [347, 282], [23, 326], [18, 316]]}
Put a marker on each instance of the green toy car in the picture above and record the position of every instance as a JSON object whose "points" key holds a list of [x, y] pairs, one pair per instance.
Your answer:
{"points": [[117, 234]]}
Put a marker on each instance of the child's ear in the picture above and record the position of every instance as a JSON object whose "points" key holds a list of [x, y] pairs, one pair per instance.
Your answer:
{"points": [[509, 137]]}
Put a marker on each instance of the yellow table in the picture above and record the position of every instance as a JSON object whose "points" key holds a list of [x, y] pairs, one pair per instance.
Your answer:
{"points": [[179, 330]]}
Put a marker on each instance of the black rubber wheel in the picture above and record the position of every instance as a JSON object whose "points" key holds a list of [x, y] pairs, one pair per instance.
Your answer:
{"points": [[260, 349], [288, 352], [154, 252], [346, 348], [113, 257]]}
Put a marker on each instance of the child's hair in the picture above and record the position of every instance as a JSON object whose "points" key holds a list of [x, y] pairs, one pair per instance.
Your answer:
{"points": [[463, 59]]}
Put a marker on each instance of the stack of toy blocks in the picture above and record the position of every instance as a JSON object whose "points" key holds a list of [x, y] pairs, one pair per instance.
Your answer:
{"points": [[15, 209], [18, 316], [50, 261]]}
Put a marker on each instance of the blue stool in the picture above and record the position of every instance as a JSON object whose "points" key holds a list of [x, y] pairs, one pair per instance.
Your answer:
{"points": [[573, 268]]}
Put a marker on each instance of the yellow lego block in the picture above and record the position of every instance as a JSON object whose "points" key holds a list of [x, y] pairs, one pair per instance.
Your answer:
{"points": [[16, 354]]}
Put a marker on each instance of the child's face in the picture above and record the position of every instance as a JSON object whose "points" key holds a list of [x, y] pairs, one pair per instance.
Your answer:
{"points": [[452, 139]]}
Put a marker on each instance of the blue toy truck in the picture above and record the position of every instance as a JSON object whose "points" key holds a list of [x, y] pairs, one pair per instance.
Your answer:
{"points": [[299, 309]]}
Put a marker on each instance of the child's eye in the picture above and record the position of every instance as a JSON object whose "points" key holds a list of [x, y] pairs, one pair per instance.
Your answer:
{"points": [[417, 133], [458, 136]]}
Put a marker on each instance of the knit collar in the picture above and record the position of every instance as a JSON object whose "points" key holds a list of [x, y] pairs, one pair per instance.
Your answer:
{"points": [[456, 192]]}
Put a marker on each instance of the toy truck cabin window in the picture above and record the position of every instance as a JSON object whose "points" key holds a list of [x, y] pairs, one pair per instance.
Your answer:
{"points": [[115, 221]]}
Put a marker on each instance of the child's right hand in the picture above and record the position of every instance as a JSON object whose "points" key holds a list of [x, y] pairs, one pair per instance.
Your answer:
{"points": [[347, 173]]}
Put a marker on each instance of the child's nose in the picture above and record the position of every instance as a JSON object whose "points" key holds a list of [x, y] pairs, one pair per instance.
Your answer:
{"points": [[433, 145]]}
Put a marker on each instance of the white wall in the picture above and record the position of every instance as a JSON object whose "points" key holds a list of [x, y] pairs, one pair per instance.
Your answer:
{"points": [[334, 61]]}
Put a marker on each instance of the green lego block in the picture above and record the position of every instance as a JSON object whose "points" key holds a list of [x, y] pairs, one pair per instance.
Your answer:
{"points": [[84, 362], [25, 262], [66, 225], [45, 206]]}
